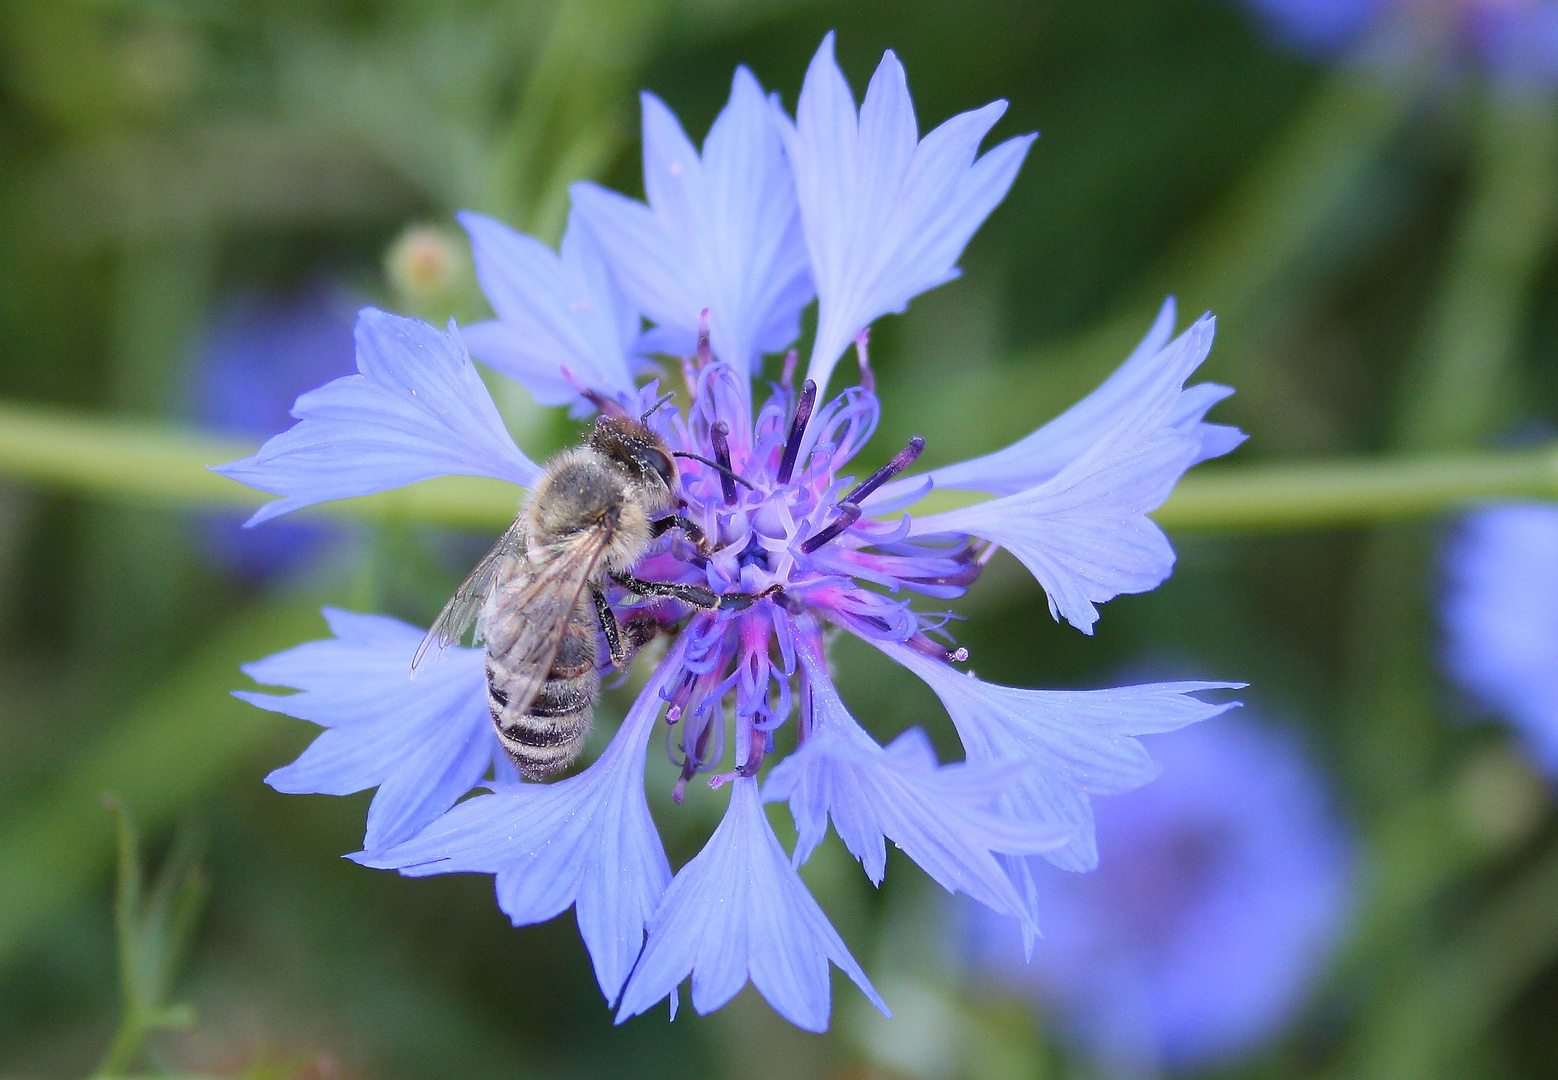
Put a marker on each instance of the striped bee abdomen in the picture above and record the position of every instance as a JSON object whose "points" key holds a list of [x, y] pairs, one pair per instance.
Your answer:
{"points": [[548, 735]]}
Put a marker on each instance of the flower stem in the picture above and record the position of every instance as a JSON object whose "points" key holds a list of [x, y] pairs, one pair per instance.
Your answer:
{"points": [[1350, 492], [133, 462]]}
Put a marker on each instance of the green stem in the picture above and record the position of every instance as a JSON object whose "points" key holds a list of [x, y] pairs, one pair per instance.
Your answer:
{"points": [[570, 120], [1459, 391], [124, 1048], [1350, 492], [132, 462]]}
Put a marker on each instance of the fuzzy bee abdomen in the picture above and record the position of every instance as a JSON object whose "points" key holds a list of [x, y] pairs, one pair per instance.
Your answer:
{"points": [[546, 736]]}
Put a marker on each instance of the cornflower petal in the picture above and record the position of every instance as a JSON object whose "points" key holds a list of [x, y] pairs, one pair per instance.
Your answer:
{"points": [[416, 410], [739, 911], [588, 841], [423, 743], [1153, 369], [1078, 743], [942, 817], [721, 232], [886, 214], [555, 311], [1084, 533]]}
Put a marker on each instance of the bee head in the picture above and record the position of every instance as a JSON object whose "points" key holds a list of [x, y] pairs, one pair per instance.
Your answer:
{"points": [[634, 448]]}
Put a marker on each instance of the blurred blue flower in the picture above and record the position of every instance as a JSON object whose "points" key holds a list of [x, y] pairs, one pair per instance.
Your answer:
{"points": [[1224, 887], [1516, 40], [1322, 27], [259, 355], [723, 274], [1500, 614]]}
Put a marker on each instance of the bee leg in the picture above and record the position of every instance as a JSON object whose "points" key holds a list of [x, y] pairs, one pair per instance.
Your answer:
{"points": [[740, 601], [697, 596], [623, 639], [620, 656], [638, 632], [689, 527]]}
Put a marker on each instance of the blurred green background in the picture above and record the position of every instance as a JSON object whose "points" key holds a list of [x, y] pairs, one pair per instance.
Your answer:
{"points": [[1377, 248]]}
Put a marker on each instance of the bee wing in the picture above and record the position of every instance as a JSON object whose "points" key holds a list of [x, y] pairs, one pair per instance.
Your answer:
{"points": [[465, 605], [535, 618]]}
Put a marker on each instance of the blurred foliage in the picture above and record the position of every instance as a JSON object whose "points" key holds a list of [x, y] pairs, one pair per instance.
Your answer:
{"points": [[1379, 249]]}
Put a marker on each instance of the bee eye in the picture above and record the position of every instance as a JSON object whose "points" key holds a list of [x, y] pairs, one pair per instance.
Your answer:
{"points": [[661, 464]]}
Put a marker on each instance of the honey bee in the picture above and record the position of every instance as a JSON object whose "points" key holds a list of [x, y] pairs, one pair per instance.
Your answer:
{"points": [[538, 596]]}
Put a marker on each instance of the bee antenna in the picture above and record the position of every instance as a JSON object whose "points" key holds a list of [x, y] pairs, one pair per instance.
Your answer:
{"points": [[724, 470], [660, 401]]}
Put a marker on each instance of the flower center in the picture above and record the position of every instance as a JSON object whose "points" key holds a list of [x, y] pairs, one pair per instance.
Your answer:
{"points": [[782, 523]]}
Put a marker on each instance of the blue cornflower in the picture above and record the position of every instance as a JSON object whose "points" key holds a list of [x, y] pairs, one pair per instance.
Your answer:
{"points": [[1500, 614], [258, 356], [1224, 887], [1516, 40], [854, 207]]}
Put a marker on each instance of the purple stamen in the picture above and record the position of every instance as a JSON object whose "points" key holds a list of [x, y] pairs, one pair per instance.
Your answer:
{"points": [[849, 513], [719, 435], [705, 353], [925, 646], [755, 754], [867, 378], [792, 444], [690, 377], [901, 461], [787, 377], [606, 405], [678, 700]]}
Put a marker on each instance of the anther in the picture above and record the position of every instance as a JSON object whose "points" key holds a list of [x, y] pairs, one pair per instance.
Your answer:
{"points": [[867, 377], [719, 435], [792, 444], [901, 461], [926, 647], [849, 513], [606, 405], [705, 352]]}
